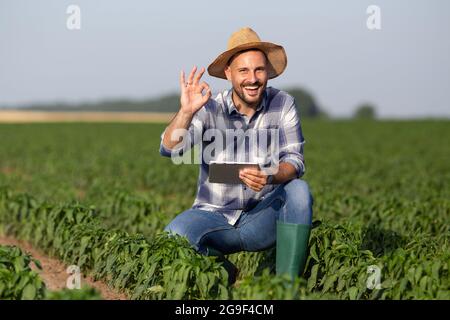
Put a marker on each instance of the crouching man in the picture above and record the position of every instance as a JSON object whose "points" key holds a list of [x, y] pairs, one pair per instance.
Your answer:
{"points": [[266, 208]]}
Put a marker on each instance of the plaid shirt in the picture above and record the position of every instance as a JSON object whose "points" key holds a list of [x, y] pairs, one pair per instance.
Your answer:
{"points": [[276, 111]]}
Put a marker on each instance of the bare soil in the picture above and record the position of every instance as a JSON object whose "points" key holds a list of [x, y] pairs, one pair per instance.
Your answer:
{"points": [[54, 273], [18, 116]]}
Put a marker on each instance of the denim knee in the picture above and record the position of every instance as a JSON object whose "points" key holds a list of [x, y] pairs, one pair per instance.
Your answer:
{"points": [[176, 226], [299, 201], [196, 225]]}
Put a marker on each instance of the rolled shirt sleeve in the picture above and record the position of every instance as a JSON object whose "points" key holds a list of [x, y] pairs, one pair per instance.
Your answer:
{"points": [[291, 139], [193, 136]]}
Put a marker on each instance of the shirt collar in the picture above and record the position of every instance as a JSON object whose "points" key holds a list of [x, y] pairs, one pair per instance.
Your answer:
{"points": [[232, 108]]}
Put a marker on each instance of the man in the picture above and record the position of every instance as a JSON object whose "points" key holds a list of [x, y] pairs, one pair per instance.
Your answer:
{"points": [[266, 208]]}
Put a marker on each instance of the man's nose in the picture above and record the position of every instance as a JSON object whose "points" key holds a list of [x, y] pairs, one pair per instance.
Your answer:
{"points": [[252, 77]]}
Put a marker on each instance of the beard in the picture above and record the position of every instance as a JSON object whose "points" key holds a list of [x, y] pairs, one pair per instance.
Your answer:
{"points": [[250, 99]]}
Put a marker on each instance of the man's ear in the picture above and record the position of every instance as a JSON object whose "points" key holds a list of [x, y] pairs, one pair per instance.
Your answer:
{"points": [[228, 73]]}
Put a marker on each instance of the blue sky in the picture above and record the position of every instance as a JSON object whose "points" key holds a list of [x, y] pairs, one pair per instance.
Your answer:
{"points": [[135, 49]]}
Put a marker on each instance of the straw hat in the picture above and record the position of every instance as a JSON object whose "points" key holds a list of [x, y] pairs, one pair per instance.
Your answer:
{"points": [[245, 39]]}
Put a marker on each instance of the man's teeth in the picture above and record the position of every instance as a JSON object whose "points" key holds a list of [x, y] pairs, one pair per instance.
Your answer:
{"points": [[251, 88]]}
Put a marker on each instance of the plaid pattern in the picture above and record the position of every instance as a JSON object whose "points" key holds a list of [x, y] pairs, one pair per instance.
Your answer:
{"points": [[276, 113]]}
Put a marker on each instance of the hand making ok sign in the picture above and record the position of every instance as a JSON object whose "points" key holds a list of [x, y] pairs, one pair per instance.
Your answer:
{"points": [[192, 97]]}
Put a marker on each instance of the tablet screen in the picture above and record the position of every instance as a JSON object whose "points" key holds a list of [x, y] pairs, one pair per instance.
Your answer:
{"points": [[228, 172]]}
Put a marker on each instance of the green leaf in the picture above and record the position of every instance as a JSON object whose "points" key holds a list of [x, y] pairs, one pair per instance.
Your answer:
{"points": [[353, 293], [417, 274], [329, 282], [37, 264], [29, 292], [313, 278], [423, 283], [341, 283], [435, 269], [314, 253]]}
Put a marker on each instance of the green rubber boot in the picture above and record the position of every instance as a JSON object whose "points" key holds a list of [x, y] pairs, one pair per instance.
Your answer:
{"points": [[292, 245]]}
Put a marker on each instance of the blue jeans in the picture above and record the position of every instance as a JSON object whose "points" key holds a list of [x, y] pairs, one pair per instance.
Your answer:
{"points": [[255, 230]]}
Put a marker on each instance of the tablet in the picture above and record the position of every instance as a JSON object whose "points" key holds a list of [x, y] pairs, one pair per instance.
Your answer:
{"points": [[228, 172]]}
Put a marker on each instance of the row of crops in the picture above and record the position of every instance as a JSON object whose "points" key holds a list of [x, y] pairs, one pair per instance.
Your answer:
{"points": [[19, 281], [99, 196]]}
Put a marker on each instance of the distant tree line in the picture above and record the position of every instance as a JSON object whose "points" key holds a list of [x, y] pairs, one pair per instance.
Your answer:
{"points": [[168, 103], [305, 101], [365, 111]]}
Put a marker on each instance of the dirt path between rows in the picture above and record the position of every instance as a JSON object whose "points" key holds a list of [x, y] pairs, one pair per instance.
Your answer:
{"points": [[54, 273], [23, 116]]}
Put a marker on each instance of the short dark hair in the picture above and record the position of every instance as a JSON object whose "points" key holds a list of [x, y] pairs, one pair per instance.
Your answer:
{"points": [[246, 50]]}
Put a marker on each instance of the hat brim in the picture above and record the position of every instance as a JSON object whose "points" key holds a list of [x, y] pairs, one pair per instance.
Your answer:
{"points": [[276, 56]]}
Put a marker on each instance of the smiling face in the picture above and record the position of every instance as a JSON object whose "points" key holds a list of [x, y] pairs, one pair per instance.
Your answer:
{"points": [[248, 75]]}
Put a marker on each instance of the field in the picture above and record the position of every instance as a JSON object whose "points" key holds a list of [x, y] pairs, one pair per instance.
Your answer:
{"points": [[98, 195]]}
